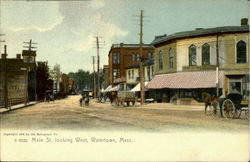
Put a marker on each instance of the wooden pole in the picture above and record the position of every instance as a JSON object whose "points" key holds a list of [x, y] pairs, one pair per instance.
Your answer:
{"points": [[142, 61]]}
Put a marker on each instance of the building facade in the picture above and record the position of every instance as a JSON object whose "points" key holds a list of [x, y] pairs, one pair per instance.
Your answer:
{"points": [[122, 56], [186, 62], [133, 73], [13, 81]]}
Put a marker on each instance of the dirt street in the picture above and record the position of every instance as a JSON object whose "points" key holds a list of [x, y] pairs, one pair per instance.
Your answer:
{"points": [[66, 114]]}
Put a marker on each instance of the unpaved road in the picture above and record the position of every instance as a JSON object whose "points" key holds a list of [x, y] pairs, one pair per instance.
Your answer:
{"points": [[66, 114]]}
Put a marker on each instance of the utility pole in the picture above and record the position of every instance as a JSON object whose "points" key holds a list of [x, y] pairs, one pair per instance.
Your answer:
{"points": [[94, 85], [1, 41], [6, 98], [142, 61], [98, 68], [217, 65], [30, 43]]}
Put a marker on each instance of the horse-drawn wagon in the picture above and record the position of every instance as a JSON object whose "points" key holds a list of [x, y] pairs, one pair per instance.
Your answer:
{"points": [[125, 98], [233, 105], [230, 106]]}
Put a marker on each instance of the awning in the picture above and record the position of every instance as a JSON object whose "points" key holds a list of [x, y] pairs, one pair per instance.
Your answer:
{"points": [[115, 88], [138, 87], [108, 88], [186, 80]]}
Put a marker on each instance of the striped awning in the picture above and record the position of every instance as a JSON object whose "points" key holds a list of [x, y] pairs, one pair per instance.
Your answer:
{"points": [[186, 80]]}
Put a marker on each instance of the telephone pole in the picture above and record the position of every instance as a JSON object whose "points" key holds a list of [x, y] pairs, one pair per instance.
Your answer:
{"points": [[94, 85], [142, 61], [217, 65], [1, 41], [30, 47], [98, 68]]}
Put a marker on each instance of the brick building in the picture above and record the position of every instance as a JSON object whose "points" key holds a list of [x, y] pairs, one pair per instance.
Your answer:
{"points": [[13, 81], [124, 55]]}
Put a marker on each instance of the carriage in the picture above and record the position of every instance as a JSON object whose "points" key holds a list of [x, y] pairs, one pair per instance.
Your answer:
{"points": [[124, 98], [233, 106]]}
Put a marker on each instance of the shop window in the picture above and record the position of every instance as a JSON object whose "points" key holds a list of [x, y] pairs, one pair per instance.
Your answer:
{"points": [[205, 54], [192, 55], [246, 86], [235, 86], [241, 52]]}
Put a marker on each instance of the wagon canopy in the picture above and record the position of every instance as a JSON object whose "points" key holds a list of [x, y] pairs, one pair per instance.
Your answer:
{"points": [[107, 89]]}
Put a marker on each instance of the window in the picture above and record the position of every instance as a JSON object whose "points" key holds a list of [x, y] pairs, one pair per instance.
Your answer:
{"points": [[205, 54], [129, 74], [235, 86], [116, 73], [192, 55], [241, 52], [160, 60], [148, 71], [170, 58], [150, 56], [132, 74], [116, 58], [135, 57]]}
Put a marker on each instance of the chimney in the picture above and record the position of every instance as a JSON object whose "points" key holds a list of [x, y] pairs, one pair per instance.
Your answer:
{"points": [[18, 56], [244, 21], [4, 55]]}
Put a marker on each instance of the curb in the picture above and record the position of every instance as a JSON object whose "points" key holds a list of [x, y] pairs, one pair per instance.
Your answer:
{"points": [[13, 109]]}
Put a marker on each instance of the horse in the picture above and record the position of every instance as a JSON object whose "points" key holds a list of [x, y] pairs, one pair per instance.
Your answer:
{"points": [[209, 101], [113, 97]]}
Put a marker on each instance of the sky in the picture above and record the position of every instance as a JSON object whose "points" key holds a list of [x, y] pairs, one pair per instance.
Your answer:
{"points": [[65, 30]]}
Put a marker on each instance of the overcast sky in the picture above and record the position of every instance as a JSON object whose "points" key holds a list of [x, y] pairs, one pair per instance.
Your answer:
{"points": [[65, 30]]}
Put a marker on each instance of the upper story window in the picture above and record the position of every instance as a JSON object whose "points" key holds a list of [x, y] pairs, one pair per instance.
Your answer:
{"points": [[133, 74], [129, 74], [29, 59], [116, 73], [205, 54], [170, 58], [241, 52], [135, 57], [150, 56], [192, 55], [148, 73], [116, 58], [160, 60]]}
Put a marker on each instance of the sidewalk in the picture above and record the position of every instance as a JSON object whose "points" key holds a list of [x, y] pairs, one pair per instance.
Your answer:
{"points": [[19, 106]]}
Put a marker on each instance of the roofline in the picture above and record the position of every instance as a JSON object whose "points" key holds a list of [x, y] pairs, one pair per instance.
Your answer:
{"points": [[199, 33]]}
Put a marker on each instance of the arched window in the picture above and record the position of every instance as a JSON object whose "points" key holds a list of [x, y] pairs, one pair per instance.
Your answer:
{"points": [[192, 55], [241, 52], [160, 60], [205, 54], [170, 58]]}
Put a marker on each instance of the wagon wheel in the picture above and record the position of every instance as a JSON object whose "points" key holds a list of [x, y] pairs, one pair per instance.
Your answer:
{"points": [[228, 109]]}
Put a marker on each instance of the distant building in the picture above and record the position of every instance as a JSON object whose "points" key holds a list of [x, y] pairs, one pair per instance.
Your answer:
{"points": [[105, 82], [133, 73], [185, 63], [124, 55]]}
